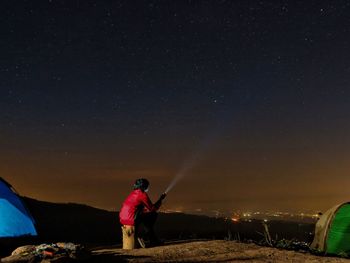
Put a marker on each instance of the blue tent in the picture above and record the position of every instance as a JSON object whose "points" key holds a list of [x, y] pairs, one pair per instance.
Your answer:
{"points": [[15, 220]]}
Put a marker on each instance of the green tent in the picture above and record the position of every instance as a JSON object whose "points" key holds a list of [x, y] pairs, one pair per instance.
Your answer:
{"points": [[332, 232]]}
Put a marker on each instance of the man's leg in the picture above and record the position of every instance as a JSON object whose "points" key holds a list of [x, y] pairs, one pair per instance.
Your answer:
{"points": [[138, 233], [148, 221]]}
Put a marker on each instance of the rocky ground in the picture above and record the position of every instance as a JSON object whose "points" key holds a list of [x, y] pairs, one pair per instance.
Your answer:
{"points": [[207, 251]]}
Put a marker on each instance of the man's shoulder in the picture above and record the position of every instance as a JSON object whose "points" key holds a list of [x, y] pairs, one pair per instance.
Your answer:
{"points": [[138, 192]]}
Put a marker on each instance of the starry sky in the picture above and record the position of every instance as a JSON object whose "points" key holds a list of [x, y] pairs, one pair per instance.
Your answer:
{"points": [[250, 98]]}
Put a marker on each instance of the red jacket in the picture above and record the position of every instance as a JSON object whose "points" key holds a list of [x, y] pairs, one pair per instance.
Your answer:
{"points": [[136, 201]]}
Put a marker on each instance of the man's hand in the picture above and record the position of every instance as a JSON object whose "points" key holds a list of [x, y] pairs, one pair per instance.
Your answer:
{"points": [[162, 196], [159, 202]]}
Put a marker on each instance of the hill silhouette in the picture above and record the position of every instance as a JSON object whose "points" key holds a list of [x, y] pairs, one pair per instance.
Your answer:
{"points": [[70, 222]]}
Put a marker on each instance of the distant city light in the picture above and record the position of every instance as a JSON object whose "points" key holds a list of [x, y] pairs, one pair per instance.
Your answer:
{"points": [[235, 219]]}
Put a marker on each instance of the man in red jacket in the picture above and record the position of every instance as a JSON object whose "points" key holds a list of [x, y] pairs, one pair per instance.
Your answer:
{"points": [[138, 209]]}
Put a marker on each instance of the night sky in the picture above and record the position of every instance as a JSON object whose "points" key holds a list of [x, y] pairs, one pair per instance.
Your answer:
{"points": [[251, 98]]}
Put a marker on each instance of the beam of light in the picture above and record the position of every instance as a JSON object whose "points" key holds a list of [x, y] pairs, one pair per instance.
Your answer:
{"points": [[223, 117], [194, 159], [187, 166]]}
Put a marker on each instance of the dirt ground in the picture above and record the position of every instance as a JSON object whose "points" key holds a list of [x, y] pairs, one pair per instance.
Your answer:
{"points": [[207, 251]]}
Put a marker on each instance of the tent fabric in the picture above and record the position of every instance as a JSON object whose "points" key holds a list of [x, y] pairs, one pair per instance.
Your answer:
{"points": [[15, 220], [322, 227], [338, 238], [332, 231]]}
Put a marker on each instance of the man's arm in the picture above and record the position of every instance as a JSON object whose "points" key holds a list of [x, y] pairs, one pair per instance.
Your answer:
{"points": [[159, 202], [148, 204]]}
